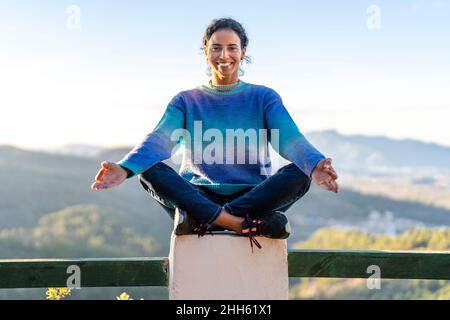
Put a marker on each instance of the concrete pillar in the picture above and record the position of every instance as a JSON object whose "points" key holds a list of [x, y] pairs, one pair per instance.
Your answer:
{"points": [[222, 266]]}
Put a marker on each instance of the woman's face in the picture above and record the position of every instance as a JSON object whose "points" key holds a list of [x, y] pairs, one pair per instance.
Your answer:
{"points": [[224, 53]]}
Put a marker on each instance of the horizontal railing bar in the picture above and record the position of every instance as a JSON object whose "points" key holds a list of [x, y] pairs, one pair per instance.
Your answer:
{"points": [[132, 272], [120, 272], [355, 264]]}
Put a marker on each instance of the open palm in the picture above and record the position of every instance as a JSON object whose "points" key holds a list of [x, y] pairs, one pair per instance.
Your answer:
{"points": [[109, 175], [325, 176]]}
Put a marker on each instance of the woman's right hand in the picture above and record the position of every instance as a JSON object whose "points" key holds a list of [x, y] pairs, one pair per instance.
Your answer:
{"points": [[109, 175]]}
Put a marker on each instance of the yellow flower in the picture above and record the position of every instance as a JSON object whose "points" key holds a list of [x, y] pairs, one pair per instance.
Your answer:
{"points": [[57, 293], [124, 296]]}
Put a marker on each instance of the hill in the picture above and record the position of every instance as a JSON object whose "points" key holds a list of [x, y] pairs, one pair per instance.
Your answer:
{"points": [[35, 184], [355, 289]]}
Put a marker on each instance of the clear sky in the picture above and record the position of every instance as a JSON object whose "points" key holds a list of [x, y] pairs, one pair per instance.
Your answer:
{"points": [[343, 65]]}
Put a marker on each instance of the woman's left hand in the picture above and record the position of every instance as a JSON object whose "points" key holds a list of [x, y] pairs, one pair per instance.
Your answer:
{"points": [[325, 176]]}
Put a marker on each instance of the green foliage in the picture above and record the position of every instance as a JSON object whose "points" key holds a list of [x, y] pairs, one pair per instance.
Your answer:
{"points": [[333, 238], [34, 184], [78, 231], [414, 239]]}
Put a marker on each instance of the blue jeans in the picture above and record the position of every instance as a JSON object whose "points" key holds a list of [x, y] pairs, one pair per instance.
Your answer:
{"points": [[277, 193]]}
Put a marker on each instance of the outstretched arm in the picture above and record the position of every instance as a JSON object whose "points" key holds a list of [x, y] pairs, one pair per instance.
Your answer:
{"points": [[158, 145], [293, 145]]}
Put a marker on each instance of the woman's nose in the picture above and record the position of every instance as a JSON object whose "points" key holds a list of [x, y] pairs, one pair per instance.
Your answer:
{"points": [[224, 53]]}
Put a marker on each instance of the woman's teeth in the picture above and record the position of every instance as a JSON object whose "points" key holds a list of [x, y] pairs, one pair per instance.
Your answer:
{"points": [[224, 64]]}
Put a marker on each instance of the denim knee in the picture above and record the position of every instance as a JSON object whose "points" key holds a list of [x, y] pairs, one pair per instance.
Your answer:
{"points": [[149, 181], [303, 186], [297, 179], [154, 170]]}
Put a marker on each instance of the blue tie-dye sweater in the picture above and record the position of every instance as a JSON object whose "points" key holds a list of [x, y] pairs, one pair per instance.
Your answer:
{"points": [[210, 123]]}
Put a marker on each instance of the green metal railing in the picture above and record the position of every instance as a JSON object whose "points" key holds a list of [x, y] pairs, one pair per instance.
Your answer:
{"points": [[133, 272]]}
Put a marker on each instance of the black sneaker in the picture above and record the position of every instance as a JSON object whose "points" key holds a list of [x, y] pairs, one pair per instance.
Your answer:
{"points": [[274, 225], [184, 223]]}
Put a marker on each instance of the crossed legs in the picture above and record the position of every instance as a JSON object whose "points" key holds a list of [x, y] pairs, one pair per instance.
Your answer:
{"points": [[277, 193]]}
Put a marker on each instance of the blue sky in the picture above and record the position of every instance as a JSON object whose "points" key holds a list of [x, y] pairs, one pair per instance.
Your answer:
{"points": [[108, 82]]}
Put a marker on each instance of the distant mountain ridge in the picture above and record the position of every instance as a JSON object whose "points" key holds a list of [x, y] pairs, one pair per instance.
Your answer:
{"points": [[352, 153], [34, 184], [358, 153]]}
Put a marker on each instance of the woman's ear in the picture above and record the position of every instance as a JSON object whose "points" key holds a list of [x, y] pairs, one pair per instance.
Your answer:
{"points": [[244, 50]]}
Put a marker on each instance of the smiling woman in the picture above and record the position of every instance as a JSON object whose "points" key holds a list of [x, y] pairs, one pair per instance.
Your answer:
{"points": [[215, 193], [225, 44]]}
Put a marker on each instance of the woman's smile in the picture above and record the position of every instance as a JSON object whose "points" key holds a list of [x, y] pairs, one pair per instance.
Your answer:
{"points": [[224, 65], [224, 53]]}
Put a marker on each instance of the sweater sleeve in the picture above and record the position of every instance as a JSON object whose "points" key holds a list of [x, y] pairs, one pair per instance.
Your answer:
{"points": [[290, 143], [157, 145]]}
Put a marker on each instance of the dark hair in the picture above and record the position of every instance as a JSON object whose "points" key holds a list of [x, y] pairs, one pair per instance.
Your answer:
{"points": [[226, 23]]}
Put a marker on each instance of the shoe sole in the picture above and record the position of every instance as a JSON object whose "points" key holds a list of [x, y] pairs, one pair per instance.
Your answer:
{"points": [[178, 220], [287, 229]]}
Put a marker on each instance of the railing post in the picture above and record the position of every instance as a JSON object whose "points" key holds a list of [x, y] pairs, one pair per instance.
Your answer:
{"points": [[222, 266]]}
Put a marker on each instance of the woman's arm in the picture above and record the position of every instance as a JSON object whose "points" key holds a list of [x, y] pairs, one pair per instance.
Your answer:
{"points": [[291, 144], [156, 146]]}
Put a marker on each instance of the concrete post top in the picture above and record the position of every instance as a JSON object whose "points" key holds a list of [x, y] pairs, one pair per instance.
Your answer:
{"points": [[222, 266]]}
